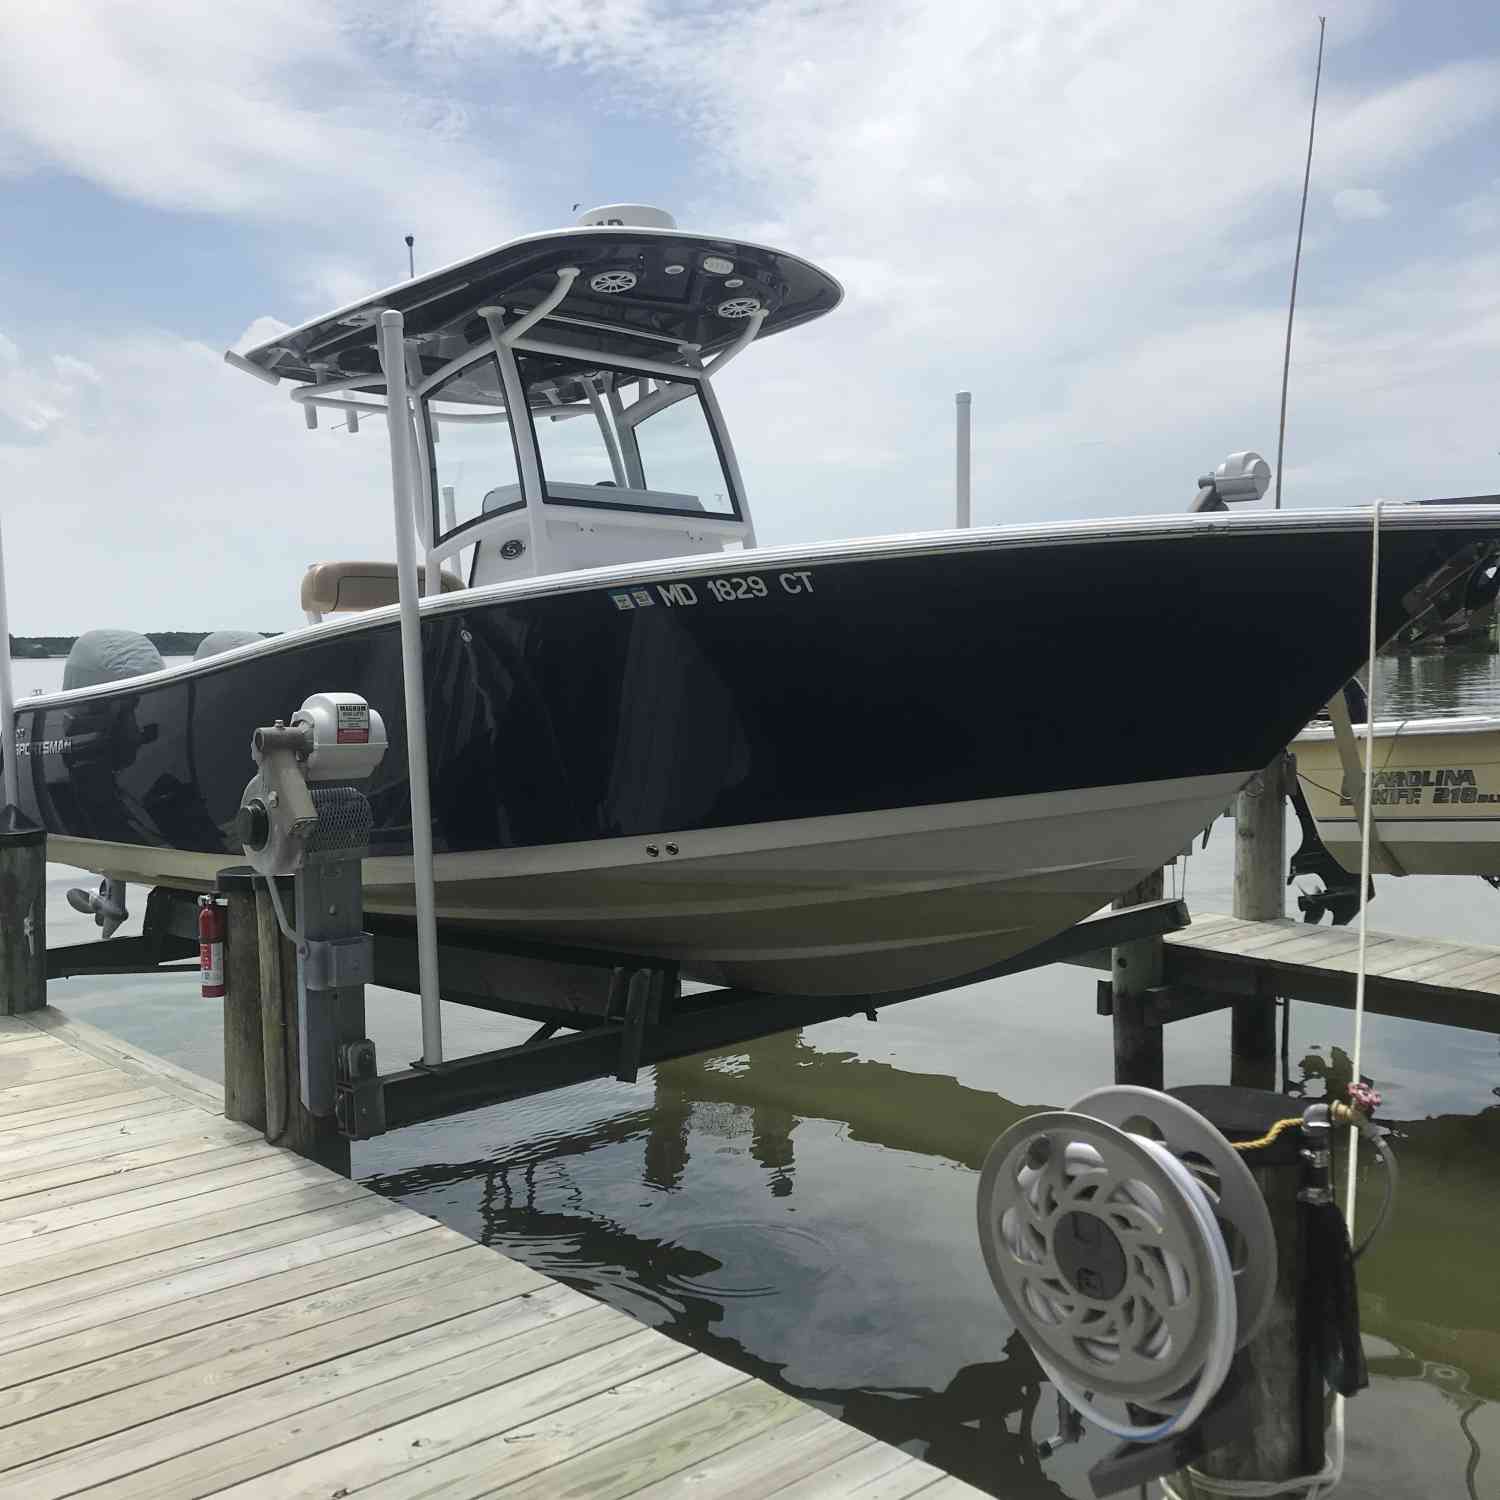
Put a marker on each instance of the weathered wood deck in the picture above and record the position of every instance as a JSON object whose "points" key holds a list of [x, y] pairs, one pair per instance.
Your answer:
{"points": [[186, 1310], [1421, 979]]}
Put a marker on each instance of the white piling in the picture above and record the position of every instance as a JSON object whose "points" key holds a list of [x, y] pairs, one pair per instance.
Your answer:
{"points": [[963, 403], [7, 698], [393, 359]]}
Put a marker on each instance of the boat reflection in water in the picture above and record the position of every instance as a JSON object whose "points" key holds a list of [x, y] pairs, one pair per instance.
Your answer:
{"points": [[805, 1214]]}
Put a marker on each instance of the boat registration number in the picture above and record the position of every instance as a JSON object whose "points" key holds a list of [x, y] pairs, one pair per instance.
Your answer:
{"points": [[729, 589]]}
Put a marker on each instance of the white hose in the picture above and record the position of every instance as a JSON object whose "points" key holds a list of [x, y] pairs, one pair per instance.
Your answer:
{"points": [[1222, 1341]]}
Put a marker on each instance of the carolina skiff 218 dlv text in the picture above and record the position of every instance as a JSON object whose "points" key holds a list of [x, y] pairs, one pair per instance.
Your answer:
{"points": [[843, 768]]}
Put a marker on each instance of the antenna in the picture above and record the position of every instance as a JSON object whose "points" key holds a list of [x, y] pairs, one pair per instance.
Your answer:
{"points": [[411, 255], [1286, 361]]}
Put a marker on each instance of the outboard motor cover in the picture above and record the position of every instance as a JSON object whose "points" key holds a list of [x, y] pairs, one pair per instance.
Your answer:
{"points": [[223, 640], [107, 656]]}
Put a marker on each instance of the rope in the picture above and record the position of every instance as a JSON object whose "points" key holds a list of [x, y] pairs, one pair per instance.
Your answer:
{"points": [[1269, 1136], [1364, 860]]}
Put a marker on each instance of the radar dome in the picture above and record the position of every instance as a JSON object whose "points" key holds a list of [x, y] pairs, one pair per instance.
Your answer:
{"points": [[637, 215]]}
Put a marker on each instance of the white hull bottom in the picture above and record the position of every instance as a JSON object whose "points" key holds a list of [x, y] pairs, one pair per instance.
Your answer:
{"points": [[854, 904], [1446, 846]]}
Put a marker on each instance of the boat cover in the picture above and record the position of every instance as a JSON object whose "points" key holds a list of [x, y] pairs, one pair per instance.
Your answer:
{"points": [[224, 640]]}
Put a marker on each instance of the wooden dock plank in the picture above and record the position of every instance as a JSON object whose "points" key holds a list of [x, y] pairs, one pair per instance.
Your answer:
{"points": [[186, 1310], [34, 1096], [67, 1290], [170, 1402], [150, 1286], [92, 1149], [175, 1454], [52, 1187], [116, 1332], [764, 1463], [543, 1447], [874, 1473], [1423, 979], [20, 1131], [120, 1205], [46, 1066], [132, 1061], [620, 1466], [67, 1109], [471, 1275], [18, 1046], [569, 1324], [458, 1424], [120, 1230], [257, 1208]]}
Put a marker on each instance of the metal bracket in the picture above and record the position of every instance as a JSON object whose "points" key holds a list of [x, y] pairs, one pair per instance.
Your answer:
{"points": [[359, 1096], [334, 963]]}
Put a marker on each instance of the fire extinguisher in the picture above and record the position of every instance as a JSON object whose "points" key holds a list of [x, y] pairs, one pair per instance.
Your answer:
{"points": [[211, 947]]}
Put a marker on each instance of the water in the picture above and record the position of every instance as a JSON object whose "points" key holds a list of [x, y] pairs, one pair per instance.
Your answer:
{"points": [[803, 1207]]}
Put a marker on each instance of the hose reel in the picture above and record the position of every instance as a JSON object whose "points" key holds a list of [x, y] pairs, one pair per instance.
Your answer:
{"points": [[1133, 1252]]}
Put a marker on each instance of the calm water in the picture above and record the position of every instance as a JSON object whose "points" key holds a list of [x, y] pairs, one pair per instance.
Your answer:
{"points": [[803, 1207]]}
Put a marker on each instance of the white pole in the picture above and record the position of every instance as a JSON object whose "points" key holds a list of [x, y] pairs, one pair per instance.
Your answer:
{"points": [[963, 401], [7, 698], [393, 359]]}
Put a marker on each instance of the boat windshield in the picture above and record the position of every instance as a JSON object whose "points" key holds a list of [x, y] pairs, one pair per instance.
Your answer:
{"points": [[623, 440], [473, 465]]}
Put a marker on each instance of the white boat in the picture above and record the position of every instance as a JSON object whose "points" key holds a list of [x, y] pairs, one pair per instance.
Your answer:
{"points": [[1435, 799]]}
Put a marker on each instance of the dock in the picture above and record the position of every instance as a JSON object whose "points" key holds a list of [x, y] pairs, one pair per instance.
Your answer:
{"points": [[187, 1310], [1218, 959]]}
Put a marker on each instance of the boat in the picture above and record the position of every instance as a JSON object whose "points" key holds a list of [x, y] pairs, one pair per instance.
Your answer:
{"points": [[852, 767], [1435, 794]]}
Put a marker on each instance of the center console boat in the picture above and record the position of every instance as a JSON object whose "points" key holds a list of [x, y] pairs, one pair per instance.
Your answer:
{"points": [[844, 768]]}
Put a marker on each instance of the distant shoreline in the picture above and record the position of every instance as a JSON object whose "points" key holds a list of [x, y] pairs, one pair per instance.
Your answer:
{"points": [[56, 647]]}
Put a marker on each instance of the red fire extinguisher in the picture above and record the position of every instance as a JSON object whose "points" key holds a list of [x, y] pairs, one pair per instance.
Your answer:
{"points": [[211, 947]]}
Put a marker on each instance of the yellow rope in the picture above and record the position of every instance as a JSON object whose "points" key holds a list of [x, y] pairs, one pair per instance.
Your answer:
{"points": [[1269, 1136]]}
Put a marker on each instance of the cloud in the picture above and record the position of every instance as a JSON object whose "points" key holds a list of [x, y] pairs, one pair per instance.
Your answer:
{"points": [[1356, 205], [36, 396], [192, 495], [1050, 217], [270, 112], [1480, 214]]}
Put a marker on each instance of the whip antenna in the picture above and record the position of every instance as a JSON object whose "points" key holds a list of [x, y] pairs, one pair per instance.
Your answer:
{"points": [[1286, 362]]}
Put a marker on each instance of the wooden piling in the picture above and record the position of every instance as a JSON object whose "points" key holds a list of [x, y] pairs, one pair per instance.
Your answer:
{"points": [[288, 1122], [244, 1039], [1259, 896], [261, 1045], [23, 917], [1135, 970], [1283, 1428]]}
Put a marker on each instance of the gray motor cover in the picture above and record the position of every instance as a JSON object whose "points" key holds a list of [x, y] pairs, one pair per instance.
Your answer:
{"points": [[223, 640], [107, 656]]}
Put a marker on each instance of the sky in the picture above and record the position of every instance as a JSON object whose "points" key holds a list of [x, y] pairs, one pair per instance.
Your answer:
{"points": [[1084, 213]]}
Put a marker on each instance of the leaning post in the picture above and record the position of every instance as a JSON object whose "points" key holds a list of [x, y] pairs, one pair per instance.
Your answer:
{"points": [[1259, 896], [1136, 970]]}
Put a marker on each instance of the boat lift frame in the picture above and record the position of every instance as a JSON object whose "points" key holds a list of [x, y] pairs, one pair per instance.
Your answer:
{"points": [[597, 1014]]}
